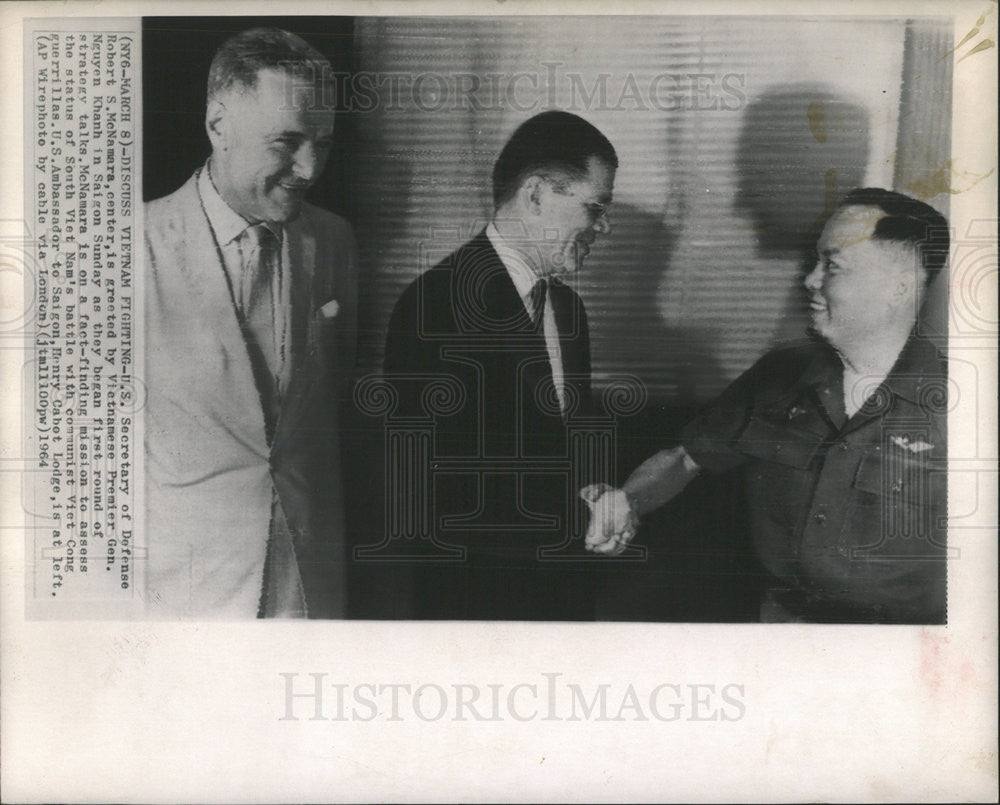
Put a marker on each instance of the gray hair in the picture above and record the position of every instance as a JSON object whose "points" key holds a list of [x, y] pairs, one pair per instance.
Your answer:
{"points": [[242, 56]]}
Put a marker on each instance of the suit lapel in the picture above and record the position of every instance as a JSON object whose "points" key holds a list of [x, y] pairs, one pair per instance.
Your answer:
{"points": [[503, 312], [305, 348], [202, 273], [573, 338], [483, 294], [302, 260]]}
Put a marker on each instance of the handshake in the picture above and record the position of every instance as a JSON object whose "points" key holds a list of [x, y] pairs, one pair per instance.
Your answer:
{"points": [[613, 522]]}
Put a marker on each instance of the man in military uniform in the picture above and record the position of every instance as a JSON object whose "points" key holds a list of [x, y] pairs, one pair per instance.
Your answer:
{"points": [[842, 440]]}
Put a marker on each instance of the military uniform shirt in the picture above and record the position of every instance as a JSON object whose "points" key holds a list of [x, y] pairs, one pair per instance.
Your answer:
{"points": [[846, 513]]}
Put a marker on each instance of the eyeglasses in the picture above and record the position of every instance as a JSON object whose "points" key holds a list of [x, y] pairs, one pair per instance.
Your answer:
{"points": [[595, 209]]}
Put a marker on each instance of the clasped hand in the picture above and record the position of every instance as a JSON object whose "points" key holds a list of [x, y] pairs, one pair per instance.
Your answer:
{"points": [[613, 523]]}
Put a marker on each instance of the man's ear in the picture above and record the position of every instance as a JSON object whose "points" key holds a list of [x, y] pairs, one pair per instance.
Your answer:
{"points": [[911, 275], [531, 193], [215, 124]]}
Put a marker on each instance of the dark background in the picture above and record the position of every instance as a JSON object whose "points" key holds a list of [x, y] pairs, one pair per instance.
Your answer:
{"points": [[177, 52]]}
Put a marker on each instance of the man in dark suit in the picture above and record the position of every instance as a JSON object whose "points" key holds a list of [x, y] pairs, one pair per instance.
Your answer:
{"points": [[497, 322]]}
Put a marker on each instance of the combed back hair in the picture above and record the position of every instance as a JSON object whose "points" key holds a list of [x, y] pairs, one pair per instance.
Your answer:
{"points": [[242, 56], [555, 141], [907, 221]]}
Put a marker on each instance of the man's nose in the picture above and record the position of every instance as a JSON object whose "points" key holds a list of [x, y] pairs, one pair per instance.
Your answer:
{"points": [[309, 162], [814, 279]]}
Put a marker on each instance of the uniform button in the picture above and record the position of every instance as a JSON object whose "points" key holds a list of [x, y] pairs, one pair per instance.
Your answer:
{"points": [[844, 446], [897, 486], [820, 518]]}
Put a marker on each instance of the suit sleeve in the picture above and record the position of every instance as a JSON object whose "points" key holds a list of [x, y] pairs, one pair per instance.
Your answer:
{"points": [[399, 336], [586, 389], [406, 354]]}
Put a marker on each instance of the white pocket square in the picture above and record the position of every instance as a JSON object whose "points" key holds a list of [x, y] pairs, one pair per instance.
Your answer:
{"points": [[918, 446], [330, 309]]}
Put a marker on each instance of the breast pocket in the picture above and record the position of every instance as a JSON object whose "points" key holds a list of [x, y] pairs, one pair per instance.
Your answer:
{"points": [[900, 497], [322, 339]]}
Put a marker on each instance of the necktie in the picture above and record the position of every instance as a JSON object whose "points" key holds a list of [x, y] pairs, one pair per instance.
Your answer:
{"points": [[263, 313], [263, 298]]}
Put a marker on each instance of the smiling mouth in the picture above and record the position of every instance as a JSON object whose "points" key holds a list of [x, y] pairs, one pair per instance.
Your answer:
{"points": [[816, 306]]}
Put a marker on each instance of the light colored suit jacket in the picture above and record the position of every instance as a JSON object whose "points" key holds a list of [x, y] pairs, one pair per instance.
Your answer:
{"points": [[210, 474]]}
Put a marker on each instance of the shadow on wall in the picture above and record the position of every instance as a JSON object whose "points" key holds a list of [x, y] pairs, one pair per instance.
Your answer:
{"points": [[389, 258], [801, 149], [696, 568], [629, 333]]}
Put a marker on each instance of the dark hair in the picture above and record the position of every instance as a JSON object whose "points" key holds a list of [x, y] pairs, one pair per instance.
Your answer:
{"points": [[907, 221], [553, 140], [242, 56]]}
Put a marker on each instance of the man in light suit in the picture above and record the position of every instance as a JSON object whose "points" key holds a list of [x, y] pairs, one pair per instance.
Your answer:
{"points": [[249, 330], [497, 318]]}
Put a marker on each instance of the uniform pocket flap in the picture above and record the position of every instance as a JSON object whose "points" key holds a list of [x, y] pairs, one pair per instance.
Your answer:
{"points": [[898, 475], [770, 442]]}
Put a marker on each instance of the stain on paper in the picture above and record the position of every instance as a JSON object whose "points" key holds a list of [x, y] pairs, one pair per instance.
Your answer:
{"points": [[817, 121]]}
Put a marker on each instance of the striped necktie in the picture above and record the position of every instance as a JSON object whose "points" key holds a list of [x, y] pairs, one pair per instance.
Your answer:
{"points": [[264, 314]]}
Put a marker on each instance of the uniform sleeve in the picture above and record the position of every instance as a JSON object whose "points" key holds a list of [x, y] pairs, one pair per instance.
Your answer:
{"points": [[710, 438]]}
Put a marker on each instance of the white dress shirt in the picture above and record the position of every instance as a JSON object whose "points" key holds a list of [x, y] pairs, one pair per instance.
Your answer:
{"points": [[228, 227], [524, 276], [858, 387]]}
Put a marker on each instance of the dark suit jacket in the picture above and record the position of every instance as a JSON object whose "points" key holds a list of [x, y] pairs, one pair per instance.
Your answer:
{"points": [[463, 321]]}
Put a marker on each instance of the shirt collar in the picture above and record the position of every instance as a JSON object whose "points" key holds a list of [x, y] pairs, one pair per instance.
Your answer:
{"points": [[823, 368], [226, 223], [521, 272], [917, 365]]}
